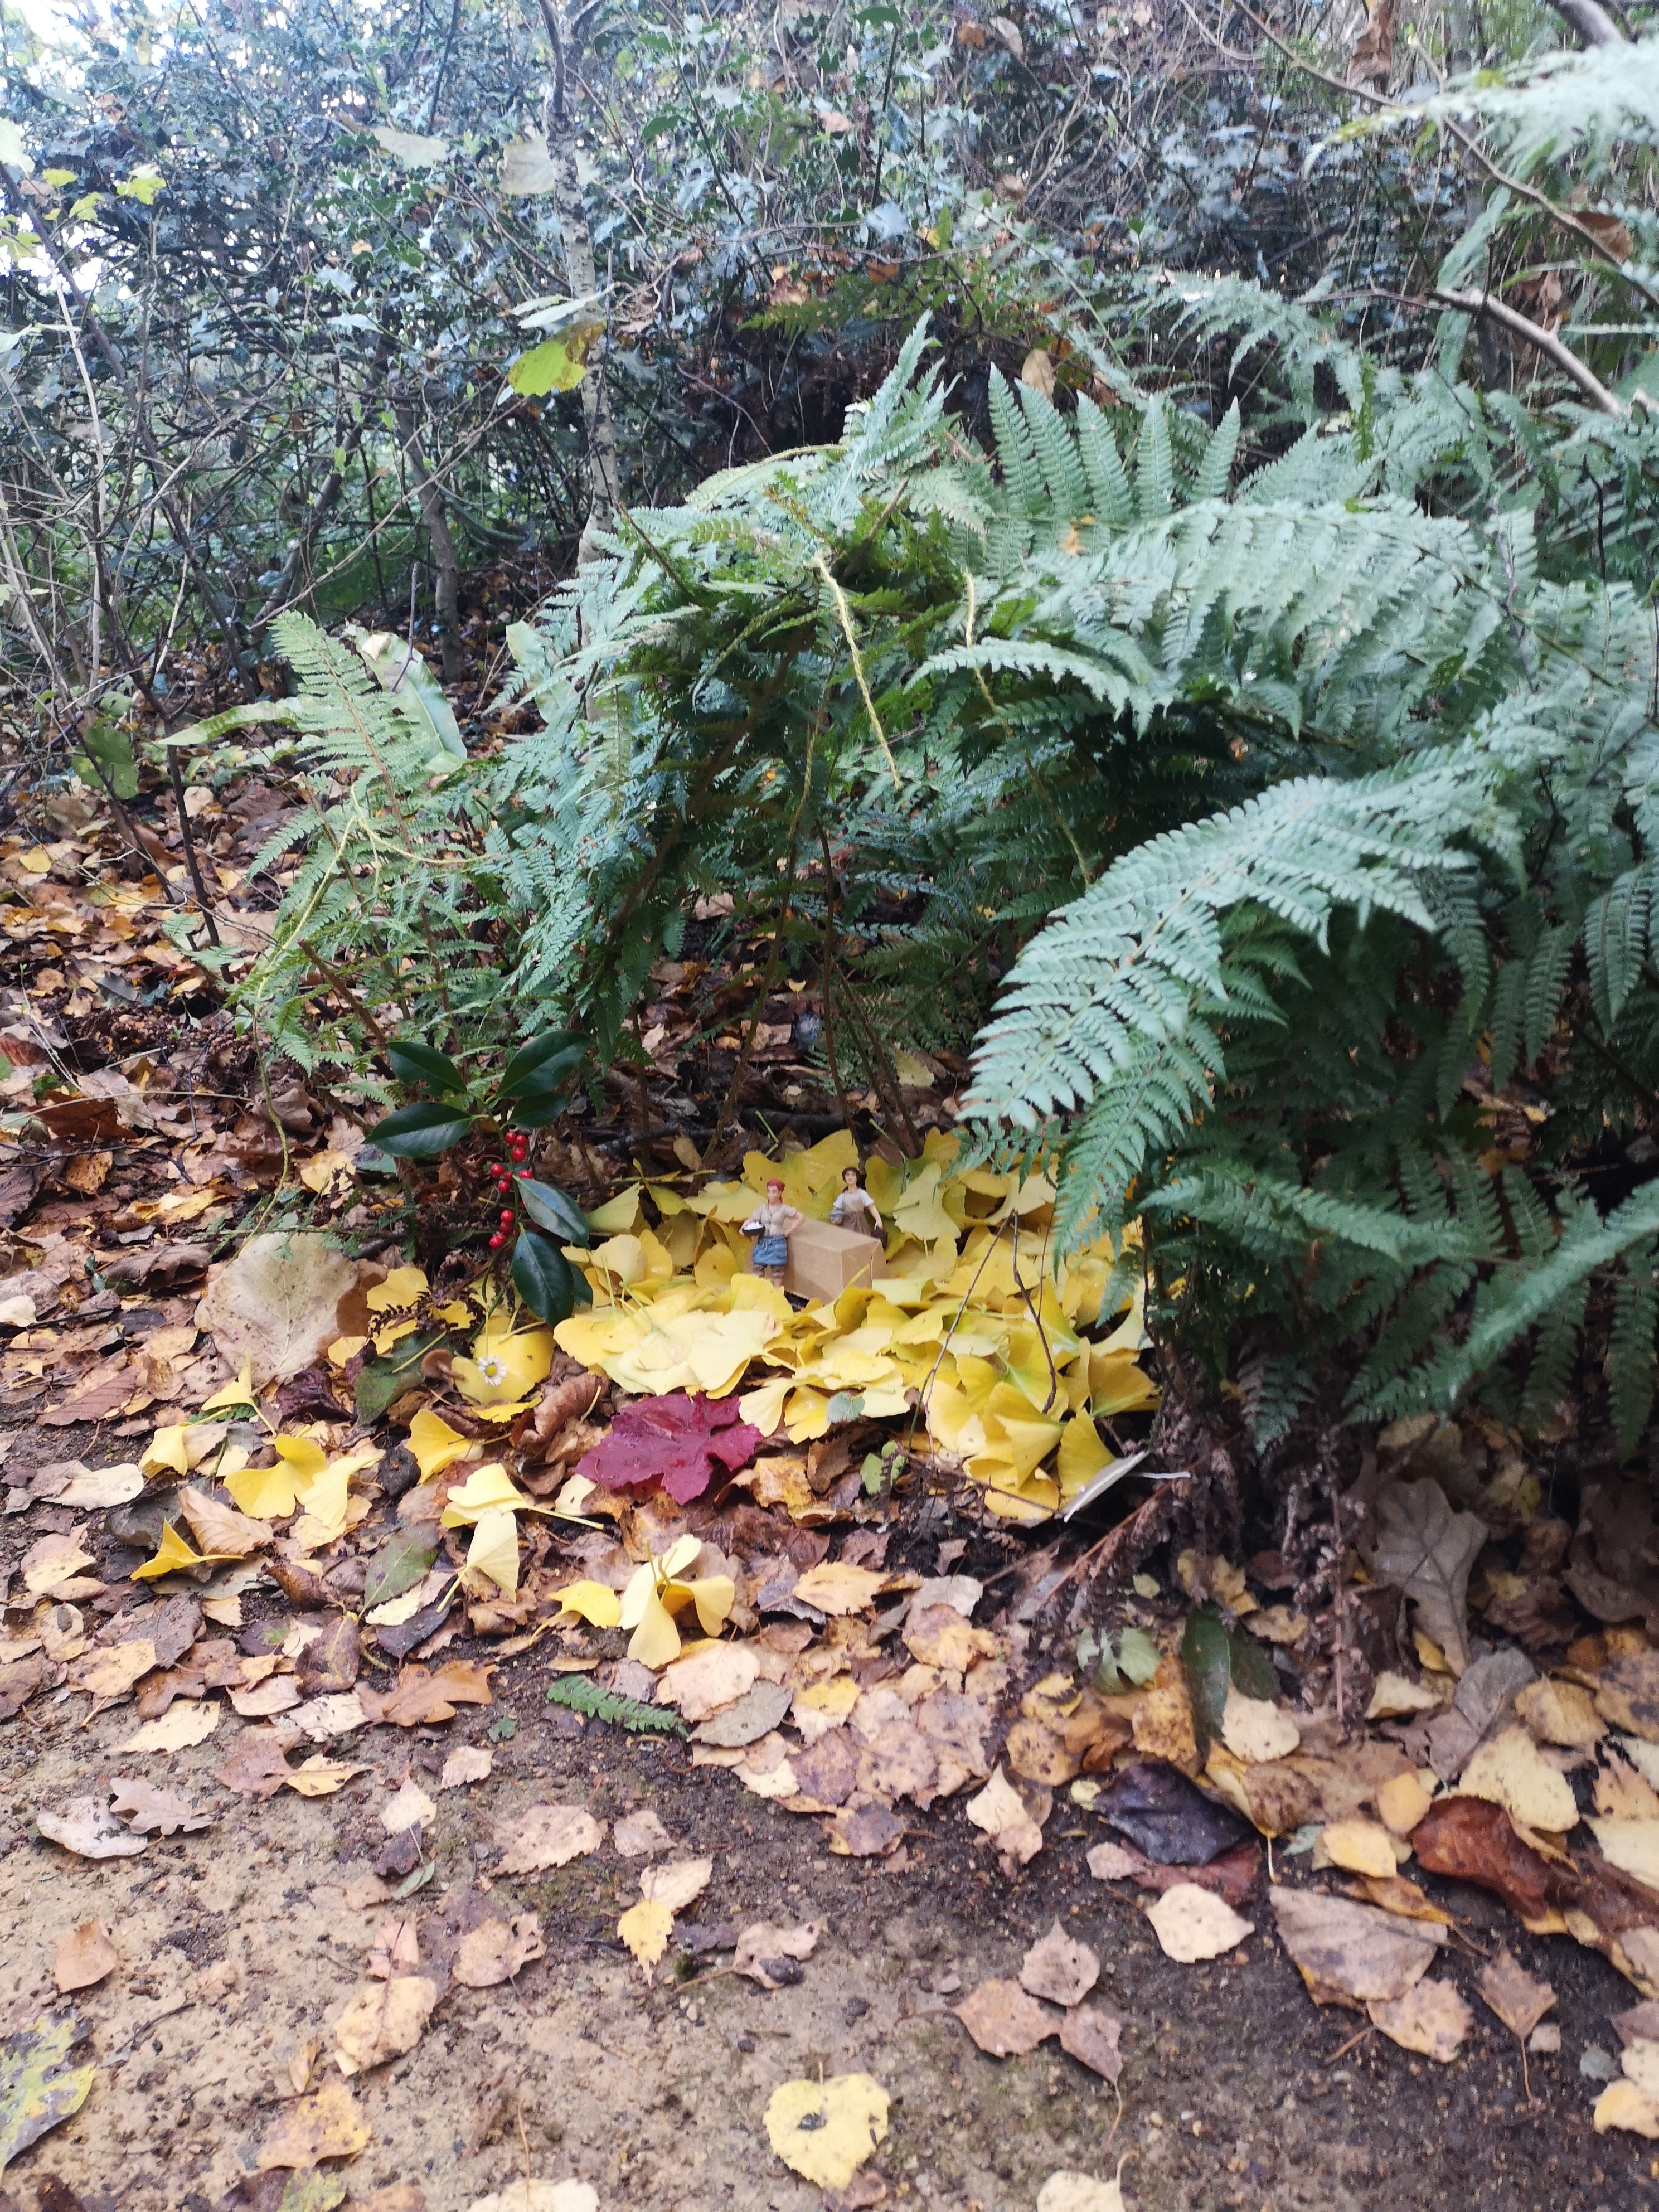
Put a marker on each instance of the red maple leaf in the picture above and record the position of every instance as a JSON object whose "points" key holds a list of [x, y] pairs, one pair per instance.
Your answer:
{"points": [[676, 1441]]}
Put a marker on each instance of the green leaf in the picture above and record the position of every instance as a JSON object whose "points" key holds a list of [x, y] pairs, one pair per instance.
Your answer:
{"points": [[379, 1381], [423, 1063], [418, 1880], [538, 1109], [401, 1562], [555, 365], [1138, 1657], [541, 1277], [555, 1212], [1208, 1662], [584, 1697], [1251, 1668], [522, 1070], [109, 760], [420, 1132], [145, 184], [872, 1472]]}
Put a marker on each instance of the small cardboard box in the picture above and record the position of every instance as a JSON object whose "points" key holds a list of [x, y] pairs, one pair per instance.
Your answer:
{"points": [[824, 1261]]}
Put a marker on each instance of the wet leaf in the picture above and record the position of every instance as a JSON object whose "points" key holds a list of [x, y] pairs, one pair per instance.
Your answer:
{"points": [[825, 2130], [1167, 1817], [38, 2090]]}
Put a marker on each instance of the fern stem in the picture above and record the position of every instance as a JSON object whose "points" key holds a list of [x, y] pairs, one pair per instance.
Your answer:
{"points": [[845, 612]]}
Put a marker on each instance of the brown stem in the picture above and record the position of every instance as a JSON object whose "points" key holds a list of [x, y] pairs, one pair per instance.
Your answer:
{"points": [[176, 777], [1590, 23], [1519, 326], [828, 970]]}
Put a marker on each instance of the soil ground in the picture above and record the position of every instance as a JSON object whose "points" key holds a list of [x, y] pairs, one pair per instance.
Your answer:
{"points": [[238, 1948]]}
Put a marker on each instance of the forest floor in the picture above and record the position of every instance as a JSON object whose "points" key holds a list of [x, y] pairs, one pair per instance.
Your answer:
{"points": [[198, 1934]]}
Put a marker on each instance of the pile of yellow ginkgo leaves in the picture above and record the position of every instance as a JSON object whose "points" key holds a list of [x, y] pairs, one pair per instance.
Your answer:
{"points": [[972, 1325]]}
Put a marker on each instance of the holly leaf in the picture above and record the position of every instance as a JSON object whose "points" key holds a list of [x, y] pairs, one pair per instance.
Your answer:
{"points": [[554, 1211], [420, 1132], [412, 1062], [542, 1277]]}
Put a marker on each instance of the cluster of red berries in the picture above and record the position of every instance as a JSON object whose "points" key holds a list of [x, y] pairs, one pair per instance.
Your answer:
{"points": [[517, 1147]]}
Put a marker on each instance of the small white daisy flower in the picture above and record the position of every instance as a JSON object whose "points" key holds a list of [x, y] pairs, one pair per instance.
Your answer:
{"points": [[493, 1370]]}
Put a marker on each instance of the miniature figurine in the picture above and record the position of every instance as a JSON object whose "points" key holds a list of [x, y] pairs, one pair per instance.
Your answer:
{"points": [[854, 1208], [772, 1225]]}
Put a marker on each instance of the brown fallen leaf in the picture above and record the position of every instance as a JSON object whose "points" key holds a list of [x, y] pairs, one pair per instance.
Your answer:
{"points": [[260, 1767], [637, 1835], [1350, 1954], [1059, 1968], [1519, 2002], [1004, 2021], [769, 1955], [1432, 2018], [1090, 2036], [550, 1836], [870, 1832], [1193, 1923], [326, 2125], [87, 1828], [1394, 1893], [1038, 1754], [148, 1811], [276, 1303], [1627, 1693], [423, 1699], [1001, 1811], [384, 2021], [1418, 1545], [83, 1957], [397, 1948], [1112, 1863], [496, 1951], [466, 1764], [220, 1528]]}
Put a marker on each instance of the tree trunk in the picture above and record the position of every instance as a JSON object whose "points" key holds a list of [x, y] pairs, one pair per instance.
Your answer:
{"points": [[1590, 23], [446, 567], [605, 489]]}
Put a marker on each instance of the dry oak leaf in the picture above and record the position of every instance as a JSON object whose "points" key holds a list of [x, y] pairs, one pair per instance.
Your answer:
{"points": [[825, 2130], [645, 1928], [87, 1828], [148, 1811], [421, 1700], [1350, 1954], [83, 1957], [707, 1679], [1418, 1545], [260, 1767], [1432, 2018], [768, 1954], [326, 2125], [494, 1951], [551, 1836], [109, 1671], [275, 1305], [1511, 1771], [1090, 2037], [1004, 2019], [1519, 2002], [676, 1884], [1059, 1968], [1001, 1811], [1193, 1923], [383, 2021]]}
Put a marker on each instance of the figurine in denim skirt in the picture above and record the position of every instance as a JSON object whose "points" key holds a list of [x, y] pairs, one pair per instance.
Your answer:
{"points": [[772, 1226]]}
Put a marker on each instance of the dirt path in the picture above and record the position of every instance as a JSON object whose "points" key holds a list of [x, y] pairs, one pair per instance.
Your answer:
{"points": [[238, 1950]]}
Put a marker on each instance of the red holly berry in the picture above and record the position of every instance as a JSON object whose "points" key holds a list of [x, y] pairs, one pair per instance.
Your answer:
{"points": [[508, 1217], [524, 1175], [496, 1242]]}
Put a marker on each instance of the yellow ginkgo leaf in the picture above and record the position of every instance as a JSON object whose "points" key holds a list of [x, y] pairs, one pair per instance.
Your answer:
{"points": [[394, 1332], [617, 1215], [826, 2130], [434, 1443], [171, 1554], [165, 1451], [599, 1606], [343, 1350], [655, 1642], [238, 1393], [457, 1313], [306, 1457], [402, 1288], [506, 1364], [493, 1551], [645, 1928], [488, 1489], [1081, 1455], [324, 1501], [266, 1493]]}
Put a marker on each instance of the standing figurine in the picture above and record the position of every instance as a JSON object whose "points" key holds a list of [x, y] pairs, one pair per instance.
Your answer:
{"points": [[772, 1225], [854, 1208]]}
